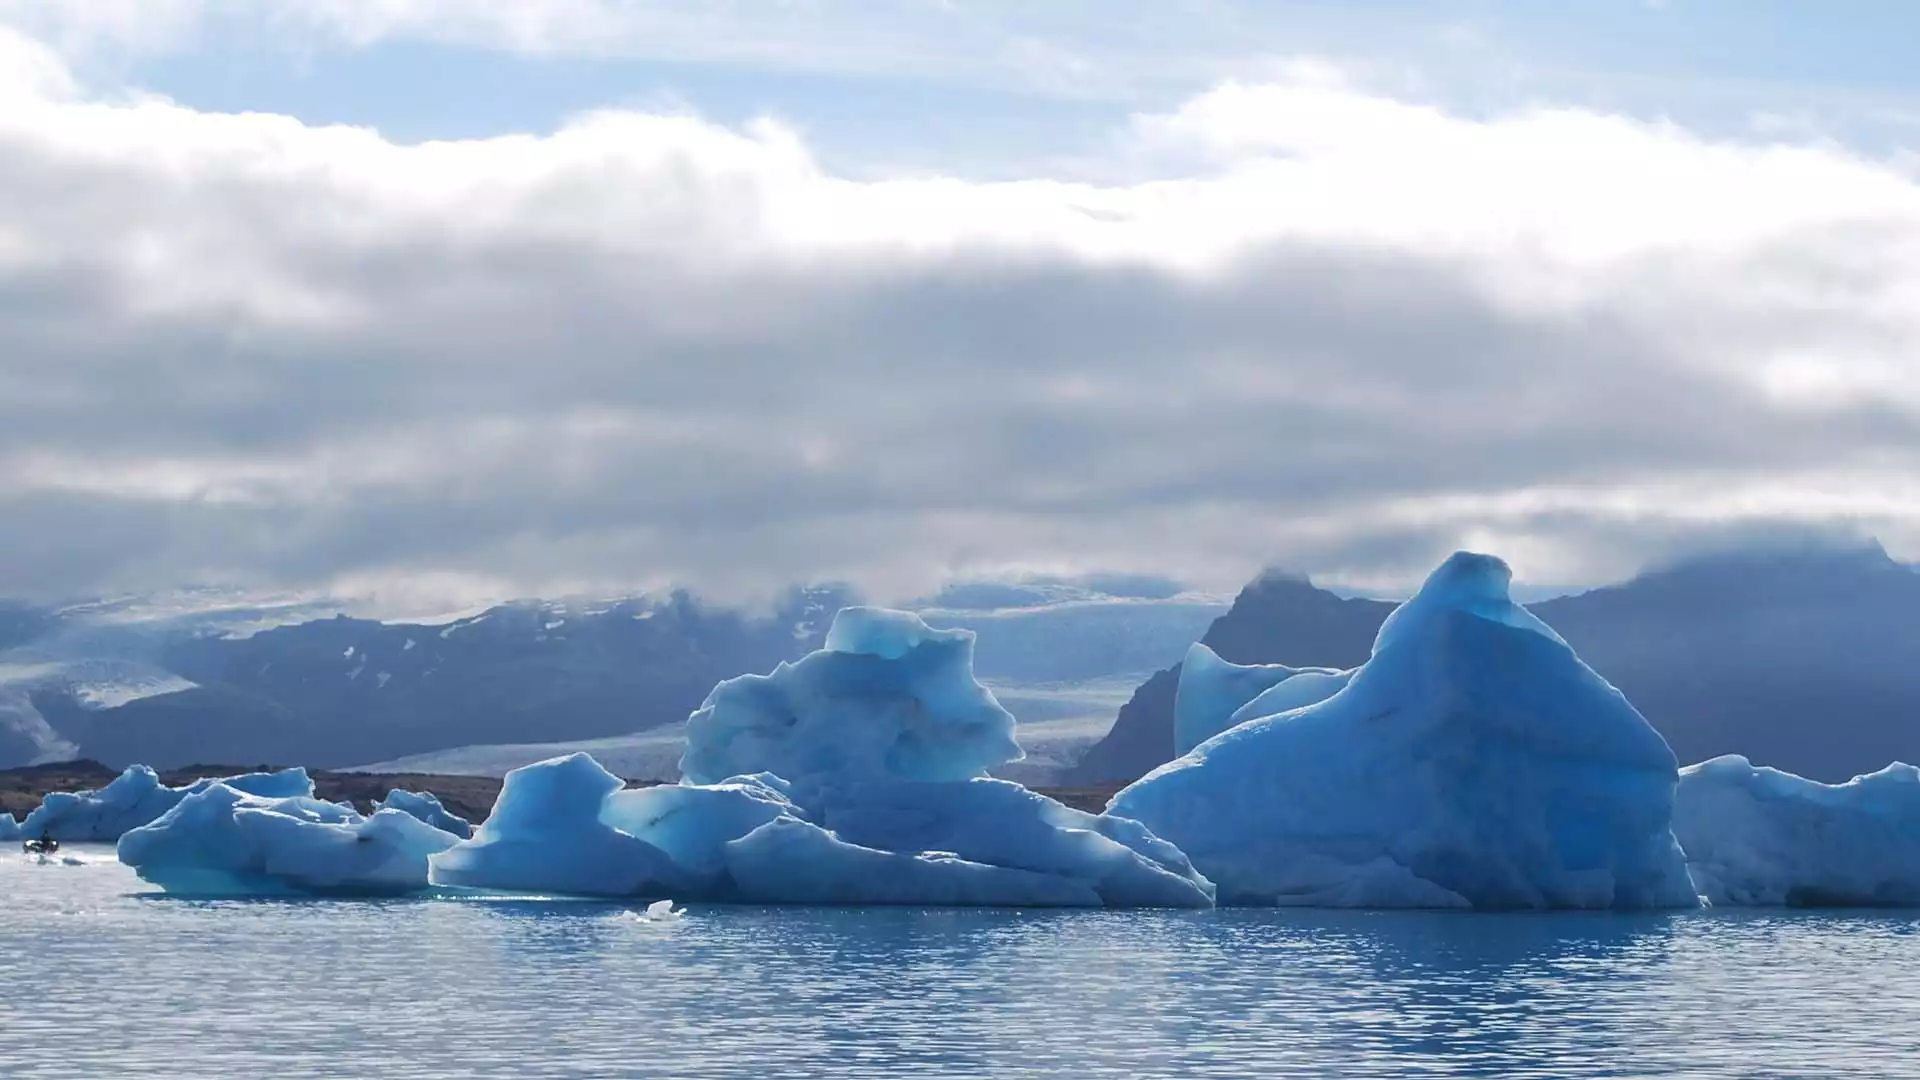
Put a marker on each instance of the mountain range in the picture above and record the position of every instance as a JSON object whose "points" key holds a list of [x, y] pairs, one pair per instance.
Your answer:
{"points": [[223, 680], [1804, 659], [341, 691]]}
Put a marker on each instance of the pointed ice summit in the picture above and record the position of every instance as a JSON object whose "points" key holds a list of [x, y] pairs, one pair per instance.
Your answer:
{"points": [[1472, 761]]}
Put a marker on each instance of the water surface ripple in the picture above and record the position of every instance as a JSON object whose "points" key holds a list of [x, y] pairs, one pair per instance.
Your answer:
{"points": [[104, 979]]}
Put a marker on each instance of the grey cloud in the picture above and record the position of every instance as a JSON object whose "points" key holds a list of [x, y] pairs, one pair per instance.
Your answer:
{"points": [[528, 404]]}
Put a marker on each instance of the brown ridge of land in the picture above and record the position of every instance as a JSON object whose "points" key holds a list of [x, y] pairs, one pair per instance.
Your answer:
{"points": [[471, 797]]}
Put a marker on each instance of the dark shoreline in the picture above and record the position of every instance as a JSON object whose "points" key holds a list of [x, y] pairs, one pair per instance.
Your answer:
{"points": [[471, 797]]}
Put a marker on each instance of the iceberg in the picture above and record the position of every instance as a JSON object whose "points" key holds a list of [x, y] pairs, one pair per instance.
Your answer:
{"points": [[566, 827], [852, 776], [9, 827], [219, 840], [1473, 761], [1000, 823], [694, 824], [794, 862], [137, 797], [886, 696], [1759, 836], [425, 806], [1214, 695], [545, 835]]}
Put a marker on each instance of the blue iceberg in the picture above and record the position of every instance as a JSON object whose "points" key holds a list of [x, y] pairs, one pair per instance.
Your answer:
{"points": [[219, 840], [855, 775], [1214, 695], [887, 696], [999, 823], [1759, 836], [545, 835], [425, 806], [793, 862], [1474, 761], [137, 797]]}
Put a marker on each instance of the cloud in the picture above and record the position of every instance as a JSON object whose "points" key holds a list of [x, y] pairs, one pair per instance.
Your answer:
{"points": [[1325, 328], [1075, 48]]}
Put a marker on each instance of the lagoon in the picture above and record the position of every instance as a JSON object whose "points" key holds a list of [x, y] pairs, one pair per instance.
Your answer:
{"points": [[106, 978]]}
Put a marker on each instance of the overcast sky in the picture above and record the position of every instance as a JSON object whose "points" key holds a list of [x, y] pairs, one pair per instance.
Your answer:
{"points": [[387, 297]]}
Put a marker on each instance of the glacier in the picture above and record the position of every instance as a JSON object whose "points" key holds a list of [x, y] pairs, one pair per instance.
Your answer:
{"points": [[1473, 761], [220, 840], [855, 775], [1759, 836], [1214, 695], [137, 797]]}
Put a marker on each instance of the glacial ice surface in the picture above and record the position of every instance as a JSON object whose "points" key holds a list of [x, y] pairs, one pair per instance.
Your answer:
{"points": [[1214, 694], [1759, 836], [1473, 761], [221, 841], [853, 776]]}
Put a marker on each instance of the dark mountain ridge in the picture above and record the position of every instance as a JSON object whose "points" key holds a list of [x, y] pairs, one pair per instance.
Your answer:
{"points": [[342, 691]]}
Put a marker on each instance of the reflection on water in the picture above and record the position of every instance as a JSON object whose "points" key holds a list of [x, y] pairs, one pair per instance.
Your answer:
{"points": [[103, 982]]}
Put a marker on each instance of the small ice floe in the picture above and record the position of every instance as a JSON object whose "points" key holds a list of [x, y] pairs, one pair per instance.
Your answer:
{"points": [[663, 911]]}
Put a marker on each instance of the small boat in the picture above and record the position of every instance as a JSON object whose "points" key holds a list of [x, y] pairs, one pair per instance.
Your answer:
{"points": [[46, 845]]}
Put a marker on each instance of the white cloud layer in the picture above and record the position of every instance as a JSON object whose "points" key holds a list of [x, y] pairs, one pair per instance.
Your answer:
{"points": [[1327, 329]]}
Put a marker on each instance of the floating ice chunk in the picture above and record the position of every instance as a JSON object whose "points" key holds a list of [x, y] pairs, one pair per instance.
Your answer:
{"points": [[692, 825], [425, 805], [789, 861], [222, 841], [999, 823], [545, 835], [137, 797], [888, 696], [134, 798], [284, 784], [1214, 694], [567, 826], [663, 911], [1759, 836], [1472, 761]]}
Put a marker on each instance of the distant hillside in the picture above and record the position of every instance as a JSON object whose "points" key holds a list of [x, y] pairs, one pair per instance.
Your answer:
{"points": [[1807, 660], [204, 675], [344, 691]]}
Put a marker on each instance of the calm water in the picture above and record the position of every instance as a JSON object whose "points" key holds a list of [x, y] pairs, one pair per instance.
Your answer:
{"points": [[103, 980]]}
